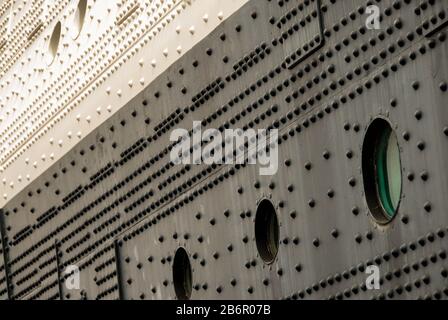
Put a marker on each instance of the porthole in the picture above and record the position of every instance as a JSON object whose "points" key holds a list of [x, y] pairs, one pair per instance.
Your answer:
{"points": [[182, 275], [266, 231], [80, 15], [381, 169], [54, 43]]}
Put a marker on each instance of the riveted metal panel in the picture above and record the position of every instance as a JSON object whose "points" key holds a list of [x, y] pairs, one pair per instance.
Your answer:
{"points": [[117, 201]]}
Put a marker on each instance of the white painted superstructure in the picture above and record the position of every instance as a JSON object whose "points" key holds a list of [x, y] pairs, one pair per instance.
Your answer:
{"points": [[54, 90]]}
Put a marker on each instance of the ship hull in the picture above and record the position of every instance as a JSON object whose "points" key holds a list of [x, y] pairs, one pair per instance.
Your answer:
{"points": [[117, 208]]}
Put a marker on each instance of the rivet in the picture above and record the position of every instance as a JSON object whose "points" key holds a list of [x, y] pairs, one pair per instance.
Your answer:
{"points": [[416, 85], [443, 86]]}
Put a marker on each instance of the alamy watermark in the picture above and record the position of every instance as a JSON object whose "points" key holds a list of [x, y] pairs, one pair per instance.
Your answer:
{"points": [[373, 280], [232, 146], [373, 19]]}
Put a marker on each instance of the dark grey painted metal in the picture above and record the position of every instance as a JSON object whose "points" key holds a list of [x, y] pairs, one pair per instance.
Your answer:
{"points": [[117, 185]]}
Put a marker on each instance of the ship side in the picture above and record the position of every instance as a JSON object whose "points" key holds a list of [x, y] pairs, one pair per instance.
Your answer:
{"points": [[92, 91]]}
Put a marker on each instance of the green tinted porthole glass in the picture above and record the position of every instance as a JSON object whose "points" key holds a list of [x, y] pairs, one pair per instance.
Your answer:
{"points": [[382, 171]]}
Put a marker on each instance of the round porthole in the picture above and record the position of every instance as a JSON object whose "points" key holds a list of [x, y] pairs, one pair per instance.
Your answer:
{"points": [[266, 231], [79, 18], [182, 275], [54, 43], [381, 168]]}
